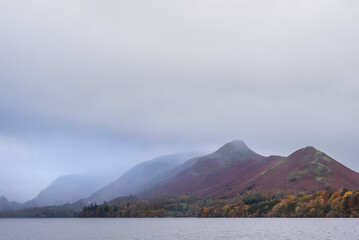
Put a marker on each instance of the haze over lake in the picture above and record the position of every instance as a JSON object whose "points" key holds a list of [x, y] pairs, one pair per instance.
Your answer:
{"points": [[191, 119], [178, 228], [91, 85]]}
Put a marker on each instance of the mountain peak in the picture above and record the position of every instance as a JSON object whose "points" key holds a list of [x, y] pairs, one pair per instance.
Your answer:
{"points": [[3, 198], [307, 153], [236, 143], [236, 147], [309, 148]]}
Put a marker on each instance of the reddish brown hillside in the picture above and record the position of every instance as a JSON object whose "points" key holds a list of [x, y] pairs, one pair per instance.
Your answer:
{"points": [[304, 170], [235, 168], [222, 173]]}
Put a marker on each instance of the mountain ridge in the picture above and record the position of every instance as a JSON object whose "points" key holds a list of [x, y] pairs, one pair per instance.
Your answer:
{"points": [[235, 168], [139, 177], [227, 172]]}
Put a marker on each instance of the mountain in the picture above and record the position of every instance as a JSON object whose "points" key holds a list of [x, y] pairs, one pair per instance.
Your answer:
{"points": [[139, 177], [232, 169], [6, 205], [235, 168], [304, 170], [221, 173], [70, 188]]}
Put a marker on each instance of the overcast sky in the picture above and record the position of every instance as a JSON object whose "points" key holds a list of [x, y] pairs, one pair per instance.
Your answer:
{"points": [[90, 84]]}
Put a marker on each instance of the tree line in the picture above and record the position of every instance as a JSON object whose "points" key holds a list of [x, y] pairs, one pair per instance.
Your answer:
{"points": [[339, 203]]}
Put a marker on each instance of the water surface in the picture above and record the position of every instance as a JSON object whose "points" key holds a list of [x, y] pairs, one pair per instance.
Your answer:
{"points": [[177, 228]]}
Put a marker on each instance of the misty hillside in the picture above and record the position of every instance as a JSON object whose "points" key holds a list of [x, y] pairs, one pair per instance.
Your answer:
{"points": [[6, 205], [235, 168], [140, 177], [70, 188], [214, 174], [231, 170]]}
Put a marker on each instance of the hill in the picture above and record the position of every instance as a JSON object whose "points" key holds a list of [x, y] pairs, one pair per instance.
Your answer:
{"points": [[140, 177], [305, 170], [232, 181], [235, 168], [69, 189], [6, 205]]}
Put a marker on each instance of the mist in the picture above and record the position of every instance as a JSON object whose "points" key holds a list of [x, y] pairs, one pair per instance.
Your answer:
{"points": [[87, 85]]}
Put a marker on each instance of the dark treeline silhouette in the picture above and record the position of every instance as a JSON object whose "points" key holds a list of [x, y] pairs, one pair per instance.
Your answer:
{"points": [[50, 212]]}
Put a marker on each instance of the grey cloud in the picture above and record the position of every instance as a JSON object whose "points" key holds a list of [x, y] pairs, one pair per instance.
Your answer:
{"points": [[125, 80]]}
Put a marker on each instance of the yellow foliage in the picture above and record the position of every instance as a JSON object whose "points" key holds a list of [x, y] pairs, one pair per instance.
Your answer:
{"points": [[225, 207], [348, 194]]}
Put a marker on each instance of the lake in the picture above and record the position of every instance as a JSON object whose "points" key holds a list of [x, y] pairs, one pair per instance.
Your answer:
{"points": [[177, 228]]}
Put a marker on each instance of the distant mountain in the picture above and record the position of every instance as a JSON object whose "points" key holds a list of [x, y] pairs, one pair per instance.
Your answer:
{"points": [[140, 177], [232, 169], [5, 205], [69, 188], [217, 174], [235, 168]]}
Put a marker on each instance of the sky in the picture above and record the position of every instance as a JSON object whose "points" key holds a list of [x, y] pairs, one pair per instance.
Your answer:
{"points": [[87, 85]]}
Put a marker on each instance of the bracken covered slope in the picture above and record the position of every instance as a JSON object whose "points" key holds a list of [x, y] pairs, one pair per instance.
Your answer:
{"points": [[305, 170], [235, 168]]}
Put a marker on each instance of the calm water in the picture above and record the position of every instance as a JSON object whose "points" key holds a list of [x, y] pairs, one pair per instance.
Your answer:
{"points": [[177, 228]]}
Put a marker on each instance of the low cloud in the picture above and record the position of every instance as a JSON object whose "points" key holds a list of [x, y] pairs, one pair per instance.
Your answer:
{"points": [[85, 84]]}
